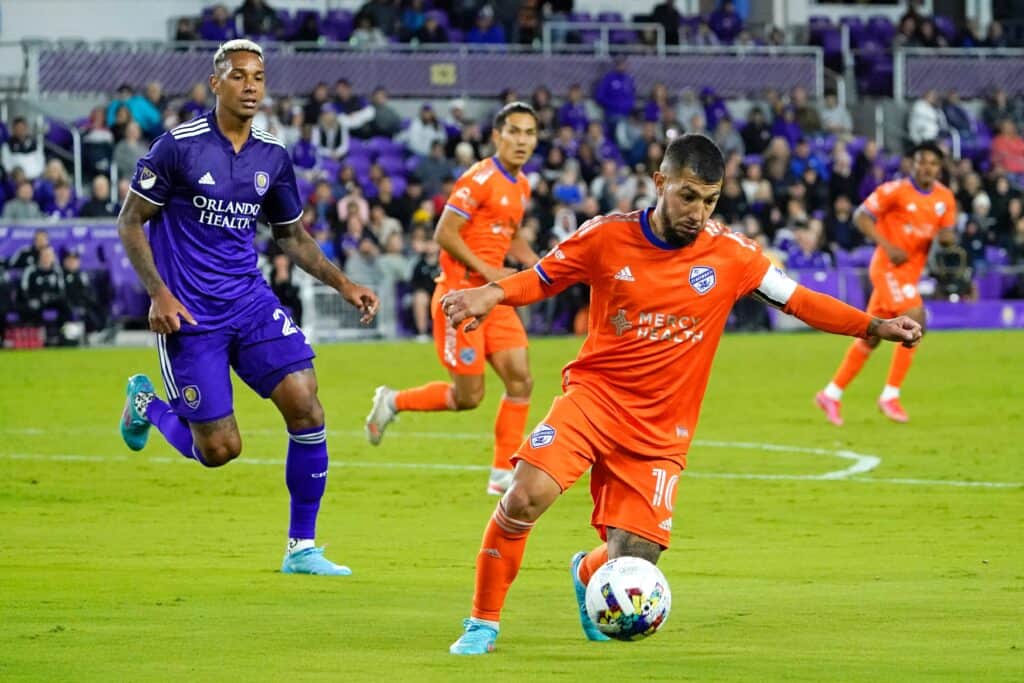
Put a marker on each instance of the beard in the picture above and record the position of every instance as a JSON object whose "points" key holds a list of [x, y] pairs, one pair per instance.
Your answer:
{"points": [[674, 238]]}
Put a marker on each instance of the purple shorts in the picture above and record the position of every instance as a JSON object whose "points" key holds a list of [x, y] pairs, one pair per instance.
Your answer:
{"points": [[261, 343]]}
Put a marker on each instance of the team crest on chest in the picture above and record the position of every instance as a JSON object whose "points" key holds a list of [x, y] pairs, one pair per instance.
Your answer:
{"points": [[702, 279], [262, 182]]}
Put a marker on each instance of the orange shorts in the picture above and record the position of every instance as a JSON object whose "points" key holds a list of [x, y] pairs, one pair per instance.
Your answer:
{"points": [[631, 492], [465, 353], [892, 295]]}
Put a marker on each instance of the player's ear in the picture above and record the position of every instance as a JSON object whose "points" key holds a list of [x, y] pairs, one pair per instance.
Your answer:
{"points": [[214, 81]]}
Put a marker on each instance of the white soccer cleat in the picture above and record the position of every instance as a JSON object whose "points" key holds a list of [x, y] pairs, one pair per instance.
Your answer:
{"points": [[381, 415], [499, 482]]}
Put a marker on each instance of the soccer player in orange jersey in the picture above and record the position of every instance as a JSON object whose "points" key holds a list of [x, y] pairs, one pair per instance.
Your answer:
{"points": [[478, 229], [663, 281], [902, 217]]}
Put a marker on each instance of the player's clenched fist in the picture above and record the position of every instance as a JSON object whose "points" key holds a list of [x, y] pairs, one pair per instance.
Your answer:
{"points": [[899, 329], [471, 304]]}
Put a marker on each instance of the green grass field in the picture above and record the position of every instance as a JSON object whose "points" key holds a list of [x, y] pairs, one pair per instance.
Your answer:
{"points": [[144, 567]]}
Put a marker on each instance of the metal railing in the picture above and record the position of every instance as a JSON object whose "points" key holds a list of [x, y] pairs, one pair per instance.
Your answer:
{"points": [[603, 44], [990, 74]]}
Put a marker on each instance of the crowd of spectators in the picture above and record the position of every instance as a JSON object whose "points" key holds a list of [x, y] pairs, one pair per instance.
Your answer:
{"points": [[375, 181]]}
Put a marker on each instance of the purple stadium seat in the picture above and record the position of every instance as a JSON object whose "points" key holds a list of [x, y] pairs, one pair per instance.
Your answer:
{"points": [[945, 27], [880, 27], [398, 184], [752, 159], [392, 165], [832, 44], [862, 256], [989, 285], [442, 19], [456, 36], [844, 259], [580, 17], [610, 17], [852, 287], [58, 134], [411, 163], [996, 256], [824, 281]]}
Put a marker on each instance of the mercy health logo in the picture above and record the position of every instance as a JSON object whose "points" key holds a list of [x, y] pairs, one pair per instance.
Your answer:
{"points": [[226, 214], [656, 326], [702, 279]]}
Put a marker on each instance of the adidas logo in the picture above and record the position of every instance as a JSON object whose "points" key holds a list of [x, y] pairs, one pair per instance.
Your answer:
{"points": [[665, 524], [626, 275], [207, 179], [504, 201]]}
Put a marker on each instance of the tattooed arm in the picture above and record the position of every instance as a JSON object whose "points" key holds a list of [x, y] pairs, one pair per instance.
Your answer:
{"points": [[306, 254], [165, 311]]}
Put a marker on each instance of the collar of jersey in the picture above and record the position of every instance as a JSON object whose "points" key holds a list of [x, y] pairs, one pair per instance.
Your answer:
{"points": [[918, 188], [645, 225], [504, 171], [211, 117]]}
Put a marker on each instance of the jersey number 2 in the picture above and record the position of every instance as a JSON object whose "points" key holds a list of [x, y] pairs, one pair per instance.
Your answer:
{"points": [[287, 327]]}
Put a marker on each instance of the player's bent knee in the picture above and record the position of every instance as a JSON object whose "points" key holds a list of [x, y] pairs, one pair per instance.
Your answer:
{"points": [[305, 414], [521, 504], [220, 453], [468, 400]]}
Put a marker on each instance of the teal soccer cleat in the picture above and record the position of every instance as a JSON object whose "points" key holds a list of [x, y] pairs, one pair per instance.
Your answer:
{"points": [[312, 561], [590, 629], [477, 640], [134, 425]]}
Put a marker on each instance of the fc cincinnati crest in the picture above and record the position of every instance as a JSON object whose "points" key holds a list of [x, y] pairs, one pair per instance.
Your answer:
{"points": [[191, 396], [262, 182], [542, 436], [467, 355], [702, 279]]}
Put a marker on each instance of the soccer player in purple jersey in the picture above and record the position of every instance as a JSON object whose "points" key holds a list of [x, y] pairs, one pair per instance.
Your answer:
{"points": [[201, 187]]}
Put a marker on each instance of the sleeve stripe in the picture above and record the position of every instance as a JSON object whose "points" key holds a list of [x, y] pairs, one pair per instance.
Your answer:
{"points": [[864, 209], [543, 276], [458, 211], [151, 201], [287, 222]]}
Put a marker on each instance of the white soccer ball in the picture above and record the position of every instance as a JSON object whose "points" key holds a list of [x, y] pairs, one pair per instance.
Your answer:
{"points": [[628, 598]]}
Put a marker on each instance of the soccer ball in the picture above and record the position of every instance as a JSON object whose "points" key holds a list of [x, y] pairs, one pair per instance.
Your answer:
{"points": [[628, 598]]}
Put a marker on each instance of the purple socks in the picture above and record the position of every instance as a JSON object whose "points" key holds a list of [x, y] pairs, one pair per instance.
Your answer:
{"points": [[306, 476], [174, 429]]}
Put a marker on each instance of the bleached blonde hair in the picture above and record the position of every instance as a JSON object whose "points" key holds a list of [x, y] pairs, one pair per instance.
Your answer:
{"points": [[222, 58]]}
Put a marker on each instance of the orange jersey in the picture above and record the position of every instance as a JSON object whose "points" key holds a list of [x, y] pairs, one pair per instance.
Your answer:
{"points": [[656, 316], [492, 201], [910, 219]]}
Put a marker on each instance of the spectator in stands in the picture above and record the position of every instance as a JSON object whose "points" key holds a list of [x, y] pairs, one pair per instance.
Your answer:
{"points": [[1008, 151], [64, 205], [997, 108], [756, 187], [42, 289], [22, 206], [284, 288], [835, 118], [805, 251], [840, 230], [1015, 252], [727, 139], [122, 117], [288, 119], [464, 157], [573, 112], [956, 116], [140, 109], [21, 150], [666, 14], [756, 134], [258, 19], [432, 32], [354, 204], [100, 205], [386, 121], [82, 300], [424, 131], [29, 254], [732, 203], [906, 32], [616, 93], [305, 152], [995, 36], [393, 266], [129, 150], [185, 30], [425, 271], [411, 20], [332, 134], [949, 264], [972, 240], [346, 101], [384, 14], [434, 169], [367, 34], [381, 225], [406, 203], [726, 22], [807, 116], [218, 27], [485, 30], [315, 103], [926, 120], [308, 31], [786, 126], [197, 103]]}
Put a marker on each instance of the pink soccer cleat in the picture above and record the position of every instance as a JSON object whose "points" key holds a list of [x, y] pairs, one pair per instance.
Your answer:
{"points": [[893, 410], [830, 407]]}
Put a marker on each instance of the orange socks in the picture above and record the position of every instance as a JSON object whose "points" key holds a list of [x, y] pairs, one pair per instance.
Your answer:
{"points": [[508, 430], [592, 562], [852, 363], [432, 396], [501, 553], [901, 359]]}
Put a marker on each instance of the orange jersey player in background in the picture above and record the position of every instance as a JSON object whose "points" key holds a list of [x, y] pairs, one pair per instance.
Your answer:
{"points": [[478, 229], [902, 217], [663, 281]]}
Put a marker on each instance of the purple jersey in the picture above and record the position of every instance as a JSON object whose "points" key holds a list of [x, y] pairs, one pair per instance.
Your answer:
{"points": [[210, 197]]}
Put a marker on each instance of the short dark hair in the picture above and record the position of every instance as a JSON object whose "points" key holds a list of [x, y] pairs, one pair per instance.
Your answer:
{"points": [[513, 108], [928, 146], [696, 153]]}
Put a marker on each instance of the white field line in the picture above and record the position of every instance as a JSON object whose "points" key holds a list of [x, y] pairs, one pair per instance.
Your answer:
{"points": [[861, 463]]}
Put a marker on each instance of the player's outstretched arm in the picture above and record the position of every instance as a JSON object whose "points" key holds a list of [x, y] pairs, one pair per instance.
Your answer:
{"points": [[521, 289], [304, 252], [165, 311], [832, 315]]}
